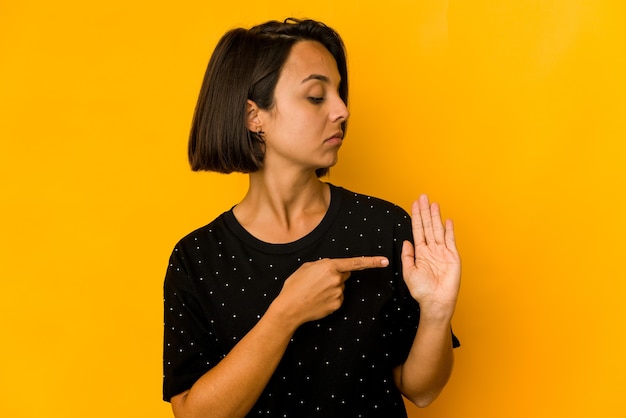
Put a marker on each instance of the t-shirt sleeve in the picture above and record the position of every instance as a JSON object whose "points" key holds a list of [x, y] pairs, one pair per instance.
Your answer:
{"points": [[404, 311], [189, 348]]}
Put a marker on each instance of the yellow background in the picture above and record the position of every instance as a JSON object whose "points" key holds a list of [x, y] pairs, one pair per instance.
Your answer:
{"points": [[511, 114]]}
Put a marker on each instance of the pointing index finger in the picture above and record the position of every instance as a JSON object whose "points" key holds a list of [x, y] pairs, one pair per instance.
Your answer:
{"points": [[346, 265]]}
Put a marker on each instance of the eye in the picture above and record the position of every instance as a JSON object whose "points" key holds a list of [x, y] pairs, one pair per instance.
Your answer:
{"points": [[316, 100]]}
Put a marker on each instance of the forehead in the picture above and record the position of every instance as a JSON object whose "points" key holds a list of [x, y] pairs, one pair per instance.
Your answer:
{"points": [[310, 58]]}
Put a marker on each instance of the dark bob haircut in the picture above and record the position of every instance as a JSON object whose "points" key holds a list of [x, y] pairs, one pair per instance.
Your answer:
{"points": [[246, 65]]}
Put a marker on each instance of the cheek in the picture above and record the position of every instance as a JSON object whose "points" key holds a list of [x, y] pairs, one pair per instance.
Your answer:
{"points": [[293, 119], [301, 121]]}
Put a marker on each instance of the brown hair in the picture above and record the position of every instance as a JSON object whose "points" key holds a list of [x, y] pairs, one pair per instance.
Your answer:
{"points": [[246, 65]]}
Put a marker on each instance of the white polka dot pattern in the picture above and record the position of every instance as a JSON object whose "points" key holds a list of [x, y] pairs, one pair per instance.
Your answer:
{"points": [[221, 280]]}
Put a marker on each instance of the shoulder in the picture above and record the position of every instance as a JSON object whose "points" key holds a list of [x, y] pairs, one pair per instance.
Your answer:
{"points": [[360, 202], [205, 236], [364, 212], [189, 253]]}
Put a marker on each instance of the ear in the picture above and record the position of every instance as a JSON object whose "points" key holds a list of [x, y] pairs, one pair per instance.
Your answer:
{"points": [[253, 122]]}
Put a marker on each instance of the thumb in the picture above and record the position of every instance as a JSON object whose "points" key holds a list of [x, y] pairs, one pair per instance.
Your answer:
{"points": [[408, 255]]}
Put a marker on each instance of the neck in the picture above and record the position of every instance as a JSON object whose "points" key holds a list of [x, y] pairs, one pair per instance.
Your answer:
{"points": [[282, 209]]}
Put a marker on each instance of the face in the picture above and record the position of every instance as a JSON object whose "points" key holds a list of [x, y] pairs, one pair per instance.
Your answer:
{"points": [[302, 131]]}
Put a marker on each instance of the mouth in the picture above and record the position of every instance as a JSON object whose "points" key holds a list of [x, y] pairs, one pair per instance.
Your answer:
{"points": [[336, 136]]}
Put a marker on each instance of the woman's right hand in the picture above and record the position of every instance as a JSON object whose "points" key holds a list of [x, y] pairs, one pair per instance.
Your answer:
{"points": [[315, 290]]}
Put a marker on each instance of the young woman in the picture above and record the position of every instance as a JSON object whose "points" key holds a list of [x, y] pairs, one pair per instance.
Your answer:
{"points": [[304, 299]]}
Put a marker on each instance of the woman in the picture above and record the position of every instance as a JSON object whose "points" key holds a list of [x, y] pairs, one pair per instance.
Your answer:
{"points": [[304, 299]]}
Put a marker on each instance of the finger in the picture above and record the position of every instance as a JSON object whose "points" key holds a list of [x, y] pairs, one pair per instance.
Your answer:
{"points": [[344, 265], [416, 224], [407, 255], [450, 239], [426, 218], [438, 231]]}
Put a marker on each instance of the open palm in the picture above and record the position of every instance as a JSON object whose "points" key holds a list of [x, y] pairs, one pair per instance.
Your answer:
{"points": [[432, 267]]}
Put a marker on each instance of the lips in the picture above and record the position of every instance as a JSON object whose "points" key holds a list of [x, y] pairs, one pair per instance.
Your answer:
{"points": [[336, 135]]}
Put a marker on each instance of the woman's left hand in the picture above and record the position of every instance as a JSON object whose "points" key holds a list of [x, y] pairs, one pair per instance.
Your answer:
{"points": [[432, 267]]}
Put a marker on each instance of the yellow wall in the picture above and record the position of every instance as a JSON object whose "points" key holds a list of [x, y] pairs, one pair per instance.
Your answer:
{"points": [[511, 114]]}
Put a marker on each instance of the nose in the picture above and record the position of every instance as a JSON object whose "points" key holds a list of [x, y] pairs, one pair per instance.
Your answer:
{"points": [[340, 111]]}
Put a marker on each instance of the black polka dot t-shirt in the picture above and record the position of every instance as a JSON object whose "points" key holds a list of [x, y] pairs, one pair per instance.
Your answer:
{"points": [[221, 280]]}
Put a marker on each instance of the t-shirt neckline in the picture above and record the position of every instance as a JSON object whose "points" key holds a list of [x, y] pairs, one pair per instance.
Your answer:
{"points": [[315, 235]]}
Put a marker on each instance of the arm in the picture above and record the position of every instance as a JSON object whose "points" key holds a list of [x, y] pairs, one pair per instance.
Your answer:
{"points": [[429, 364], [232, 387], [432, 271]]}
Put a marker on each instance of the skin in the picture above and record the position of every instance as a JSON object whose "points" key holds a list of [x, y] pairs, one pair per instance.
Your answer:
{"points": [[285, 201], [432, 272]]}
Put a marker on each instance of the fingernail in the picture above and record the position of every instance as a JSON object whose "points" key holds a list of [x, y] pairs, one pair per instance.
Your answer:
{"points": [[384, 262]]}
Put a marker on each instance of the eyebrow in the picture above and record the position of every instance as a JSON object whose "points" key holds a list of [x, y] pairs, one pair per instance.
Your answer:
{"points": [[316, 77]]}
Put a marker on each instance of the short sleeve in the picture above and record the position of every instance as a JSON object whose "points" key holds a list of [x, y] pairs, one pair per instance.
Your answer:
{"points": [[189, 348]]}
